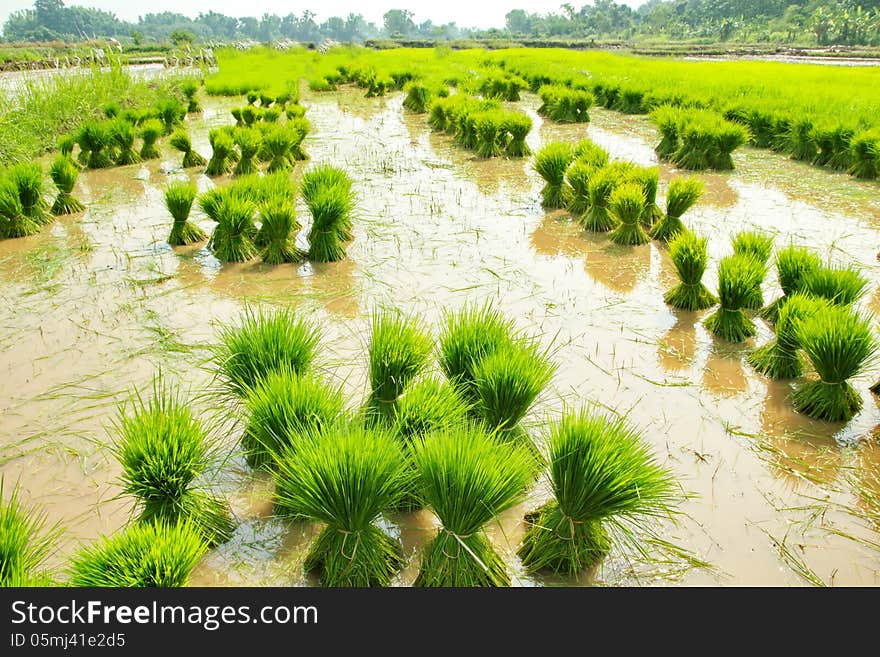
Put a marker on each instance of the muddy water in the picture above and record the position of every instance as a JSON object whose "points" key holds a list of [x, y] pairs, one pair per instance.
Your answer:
{"points": [[96, 304]]}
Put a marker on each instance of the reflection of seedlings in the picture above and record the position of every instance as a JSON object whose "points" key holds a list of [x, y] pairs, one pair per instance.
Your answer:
{"points": [[793, 263], [606, 486], [839, 344], [24, 543], [724, 374], [617, 267], [677, 347], [345, 477], [467, 477], [689, 254], [738, 276], [144, 555], [757, 246], [779, 358]]}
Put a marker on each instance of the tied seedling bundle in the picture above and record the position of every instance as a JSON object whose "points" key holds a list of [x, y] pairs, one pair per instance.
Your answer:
{"points": [[606, 485], [467, 477], [95, 145], [232, 239], [793, 264], [249, 141], [179, 197], [151, 130], [180, 141], [565, 105], [190, 89], [738, 276], [277, 234], [627, 204], [681, 196], [164, 450], [779, 358], [64, 174], [345, 477], [330, 199], [689, 254], [23, 210], [757, 246], [841, 286], [25, 542], [123, 135], [551, 163], [223, 155]]}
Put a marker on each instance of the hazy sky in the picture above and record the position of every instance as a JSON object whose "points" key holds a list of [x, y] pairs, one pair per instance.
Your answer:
{"points": [[466, 13]]}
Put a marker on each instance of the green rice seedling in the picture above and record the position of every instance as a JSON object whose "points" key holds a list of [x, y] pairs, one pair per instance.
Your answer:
{"points": [[277, 235], [467, 477], [682, 194], [551, 163], [589, 152], [602, 184], [507, 382], [689, 254], [209, 201], [189, 88], [426, 406], [94, 141], [180, 141], [13, 220], [738, 276], [236, 114], [271, 114], [606, 485], [321, 176], [232, 239], [64, 174], [171, 112], [25, 542], [466, 338], [151, 130], [66, 142], [417, 97], [163, 449], [648, 178], [330, 208], [249, 115], [793, 263], [666, 118], [249, 141], [801, 144], [123, 135], [439, 113], [840, 345], [145, 555], [565, 105], [865, 154], [779, 358], [627, 205], [299, 130], [706, 140], [222, 153], [758, 246], [491, 134], [577, 178], [179, 197], [283, 409], [111, 110], [399, 350], [266, 100], [252, 97], [842, 286], [834, 143], [345, 477], [277, 143], [26, 183], [518, 126], [294, 111], [264, 342]]}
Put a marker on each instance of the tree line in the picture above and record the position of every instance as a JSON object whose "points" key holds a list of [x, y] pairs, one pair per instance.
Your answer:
{"points": [[823, 22]]}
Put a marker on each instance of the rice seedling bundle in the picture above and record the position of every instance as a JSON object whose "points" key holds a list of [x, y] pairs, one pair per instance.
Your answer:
{"points": [[606, 485], [64, 174], [25, 542], [252, 97], [399, 351], [801, 145], [13, 220], [264, 342], [630, 101], [150, 132], [648, 178], [426, 406], [345, 477], [232, 240], [738, 276], [223, 147], [577, 178], [518, 126], [330, 208], [277, 235], [834, 144], [179, 197], [266, 100], [627, 205], [294, 111], [440, 111], [702, 139], [602, 184], [793, 263], [565, 105], [277, 143], [666, 118], [180, 141], [589, 152], [551, 163], [66, 143], [23, 210], [842, 286], [417, 97], [502, 86], [249, 115], [689, 254], [467, 477], [123, 135], [271, 114], [154, 555], [94, 141], [491, 133], [682, 194], [779, 358], [249, 141], [865, 154], [840, 345], [171, 112], [758, 246], [299, 130], [189, 89], [467, 337], [283, 409]]}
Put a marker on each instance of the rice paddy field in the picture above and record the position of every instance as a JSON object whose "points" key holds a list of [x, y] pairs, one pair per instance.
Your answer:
{"points": [[505, 321]]}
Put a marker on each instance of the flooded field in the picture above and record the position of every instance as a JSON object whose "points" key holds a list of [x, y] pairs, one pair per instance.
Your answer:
{"points": [[94, 305]]}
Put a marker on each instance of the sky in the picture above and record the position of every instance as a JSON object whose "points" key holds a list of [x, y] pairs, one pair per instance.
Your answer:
{"points": [[465, 13]]}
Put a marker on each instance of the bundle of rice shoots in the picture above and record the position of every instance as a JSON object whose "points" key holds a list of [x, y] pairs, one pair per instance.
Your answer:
{"points": [[779, 358], [602, 184], [123, 135], [179, 197], [467, 477], [627, 205], [840, 345], [842, 286], [278, 233], [151, 130], [427, 406], [145, 555], [249, 141], [682, 194], [190, 89], [345, 477], [171, 113], [330, 208], [277, 144], [64, 174], [94, 141], [66, 143], [793, 263], [417, 97], [689, 254], [180, 141], [13, 220], [222, 156], [25, 542], [758, 246], [738, 276], [551, 162], [578, 178], [518, 126], [231, 240], [606, 485]]}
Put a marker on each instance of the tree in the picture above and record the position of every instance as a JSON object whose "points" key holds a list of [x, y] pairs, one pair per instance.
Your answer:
{"points": [[137, 37], [180, 37], [398, 22]]}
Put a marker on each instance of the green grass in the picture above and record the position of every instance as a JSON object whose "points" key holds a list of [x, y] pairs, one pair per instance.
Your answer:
{"points": [[25, 542]]}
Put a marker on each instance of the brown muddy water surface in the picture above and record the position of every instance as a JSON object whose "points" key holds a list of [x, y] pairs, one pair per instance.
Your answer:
{"points": [[92, 307]]}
